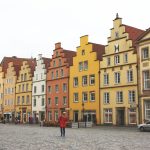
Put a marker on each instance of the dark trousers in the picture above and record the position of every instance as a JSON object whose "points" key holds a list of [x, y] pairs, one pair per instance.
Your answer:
{"points": [[62, 130]]}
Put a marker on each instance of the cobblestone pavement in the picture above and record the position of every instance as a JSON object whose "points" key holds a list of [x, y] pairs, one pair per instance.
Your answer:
{"points": [[31, 137]]}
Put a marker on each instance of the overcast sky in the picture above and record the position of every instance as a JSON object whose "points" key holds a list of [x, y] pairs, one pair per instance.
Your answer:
{"points": [[32, 27]]}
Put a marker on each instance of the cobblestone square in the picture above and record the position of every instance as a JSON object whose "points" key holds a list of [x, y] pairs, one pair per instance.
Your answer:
{"points": [[31, 137]]}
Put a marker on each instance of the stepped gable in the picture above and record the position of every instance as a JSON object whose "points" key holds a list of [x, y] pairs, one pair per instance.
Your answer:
{"points": [[134, 33], [32, 64], [99, 49], [17, 62], [69, 56]]}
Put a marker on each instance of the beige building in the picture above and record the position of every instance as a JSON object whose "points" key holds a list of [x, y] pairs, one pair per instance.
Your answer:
{"points": [[143, 46], [24, 91], [118, 76]]}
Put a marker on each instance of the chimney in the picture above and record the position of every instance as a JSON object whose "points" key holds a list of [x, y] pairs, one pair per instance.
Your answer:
{"points": [[57, 45]]}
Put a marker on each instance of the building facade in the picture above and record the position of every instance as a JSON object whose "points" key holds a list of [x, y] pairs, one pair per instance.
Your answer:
{"points": [[58, 83], [84, 82], [118, 76], [1, 92], [39, 88], [143, 49], [24, 91]]}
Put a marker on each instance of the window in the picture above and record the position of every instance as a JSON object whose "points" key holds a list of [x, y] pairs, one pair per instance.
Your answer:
{"points": [[147, 110], [83, 52], [106, 98], [125, 58], [34, 103], [54, 63], [146, 75], [49, 89], [52, 75], [131, 96], [117, 59], [27, 99], [42, 103], [27, 86], [42, 88], [119, 96], [84, 80], [56, 74], [34, 89], [49, 116], [62, 72], [59, 62], [36, 76], [56, 115], [49, 101], [64, 87], [18, 100], [108, 61], [132, 116], [56, 53], [116, 35], [41, 75], [106, 79], [145, 53], [21, 77], [75, 97], [56, 88], [85, 65], [130, 75], [19, 88], [107, 115], [117, 77], [84, 96], [56, 100], [64, 100], [25, 77], [22, 87], [92, 79], [92, 96], [22, 99], [75, 82], [80, 66]]}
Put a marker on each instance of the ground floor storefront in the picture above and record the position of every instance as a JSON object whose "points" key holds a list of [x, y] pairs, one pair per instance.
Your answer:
{"points": [[122, 116], [145, 111], [38, 116], [9, 116]]}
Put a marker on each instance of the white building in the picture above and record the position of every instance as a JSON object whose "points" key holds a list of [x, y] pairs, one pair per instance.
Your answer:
{"points": [[39, 88]]}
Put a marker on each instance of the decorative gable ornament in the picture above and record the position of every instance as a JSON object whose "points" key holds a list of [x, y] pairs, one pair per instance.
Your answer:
{"points": [[116, 46]]}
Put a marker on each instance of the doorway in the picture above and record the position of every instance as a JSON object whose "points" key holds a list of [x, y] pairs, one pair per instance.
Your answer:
{"points": [[120, 116], [76, 115]]}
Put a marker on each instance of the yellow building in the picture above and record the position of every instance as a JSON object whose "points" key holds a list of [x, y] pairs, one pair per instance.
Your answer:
{"points": [[1, 91], [24, 91], [143, 46], [84, 98], [118, 76]]}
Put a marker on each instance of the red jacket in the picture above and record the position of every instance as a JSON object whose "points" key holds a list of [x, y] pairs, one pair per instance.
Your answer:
{"points": [[62, 121]]}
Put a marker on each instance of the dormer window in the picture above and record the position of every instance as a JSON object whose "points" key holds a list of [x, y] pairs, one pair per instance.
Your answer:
{"points": [[116, 35], [116, 46], [83, 52]]}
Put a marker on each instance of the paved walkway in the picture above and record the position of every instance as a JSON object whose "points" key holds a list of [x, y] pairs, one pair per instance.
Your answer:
{"points": [[28, 137]]}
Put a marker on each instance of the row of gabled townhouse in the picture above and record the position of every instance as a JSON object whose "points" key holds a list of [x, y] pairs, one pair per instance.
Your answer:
{"points": [[104, 84]]}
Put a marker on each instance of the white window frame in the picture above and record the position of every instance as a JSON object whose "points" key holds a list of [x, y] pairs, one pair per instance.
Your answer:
{"points": [[108, 112], [106, 79], [119, 97], [75, 82], [75, 97], [146, 78], [106, 98], [84, 96], [145, 53], [117, 59], [92, 79], [117, 77], [84, 80], [80, 66], [125, 58], [130, 76], [92, 94], [131, 96]]}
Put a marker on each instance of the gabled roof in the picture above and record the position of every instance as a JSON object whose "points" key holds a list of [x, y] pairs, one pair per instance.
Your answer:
{"points": [[99, 49], [32, 64], [17, 62], [46, 62], [133, 32], [142, 35], [69, 56]]}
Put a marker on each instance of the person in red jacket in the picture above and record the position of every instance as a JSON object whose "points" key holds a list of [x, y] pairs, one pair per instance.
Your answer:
{"points": [[62, 123]]}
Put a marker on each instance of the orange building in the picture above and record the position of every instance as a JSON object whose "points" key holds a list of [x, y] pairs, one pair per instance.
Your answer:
{"points": [[58, 82]]}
